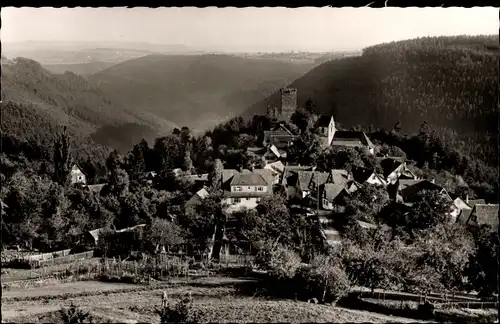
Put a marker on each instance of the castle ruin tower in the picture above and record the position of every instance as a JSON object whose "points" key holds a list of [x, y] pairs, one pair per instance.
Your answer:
{"points": [[288, 103]]}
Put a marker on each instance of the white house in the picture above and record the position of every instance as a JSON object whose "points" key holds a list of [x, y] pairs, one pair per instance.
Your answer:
{"points": [[395, 168], [326, 128], [365, 175], [245, 189], [77, 175]]}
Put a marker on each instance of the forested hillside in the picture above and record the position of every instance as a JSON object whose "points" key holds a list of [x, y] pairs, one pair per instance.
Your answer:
{"points": [[450, 82], [195, 91], [35, 102]]}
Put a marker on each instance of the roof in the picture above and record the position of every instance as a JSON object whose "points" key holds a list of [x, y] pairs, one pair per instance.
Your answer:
{"points": [[366, 225], [389, 165], [243, 194], [95, 233], [198, 197], [411, 190], [227, 174], [351, 138], [361, 174], [290, 173], [278, 138], [339, 176], [266, 174], [460, 203], [331, 191], [248, 179], [404, 183], [277, 166], [323, 121], [306, 178], [197, 177], [486, 214], [96, 188], [129, 229]]}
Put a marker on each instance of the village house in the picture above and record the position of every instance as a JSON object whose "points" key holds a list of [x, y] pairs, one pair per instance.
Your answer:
{"points": [[196, 199], [289, 178], [369, 176], [245, 188], [77, 175], [277, 168], [409, 189], [481, 214], [352, 139], [309, 183], [280, 137], [268, 154], [96, 189], [332, 195], [395, 168]]}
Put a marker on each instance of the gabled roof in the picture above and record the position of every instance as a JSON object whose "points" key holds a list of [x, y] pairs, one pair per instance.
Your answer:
{"points": [[361, 174], [339, 176], [268, 176], [323, 121], [412, 190], [331, 191], [95, 233], [248, 179], [460, 203], [404, 183], [277, 166], [198, 197], [308, 178], [351, 138], [227, 174], [389, 165], [96, 188], [290, 174]]}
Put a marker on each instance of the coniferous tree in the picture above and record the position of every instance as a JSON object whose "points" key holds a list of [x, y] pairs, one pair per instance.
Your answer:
{"points": [[62, 158]]}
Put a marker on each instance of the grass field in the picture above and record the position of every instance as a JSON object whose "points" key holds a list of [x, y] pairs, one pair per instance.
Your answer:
{"points": [[215, 298]]}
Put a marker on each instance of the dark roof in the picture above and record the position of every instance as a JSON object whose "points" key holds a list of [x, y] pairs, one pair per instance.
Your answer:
{"points": [[266, 174], [248, 179], [279, 139], [360, 175], [331, 191], [96, 188], [290, 174], [404, 183], [351, 138], [389, 165], [411, 191], [323, 121], [308, 178]]}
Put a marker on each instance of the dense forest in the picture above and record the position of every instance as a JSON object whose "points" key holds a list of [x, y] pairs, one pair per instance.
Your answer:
{"points": [[450, 82], [197, 91]]}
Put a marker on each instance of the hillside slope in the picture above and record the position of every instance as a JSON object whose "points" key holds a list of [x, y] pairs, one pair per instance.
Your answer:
{"points": [[34, 101], [195, 91], [449, 81]]}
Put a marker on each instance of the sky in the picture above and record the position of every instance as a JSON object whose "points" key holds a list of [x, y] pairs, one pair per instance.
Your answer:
{"points": [[245, 29]]}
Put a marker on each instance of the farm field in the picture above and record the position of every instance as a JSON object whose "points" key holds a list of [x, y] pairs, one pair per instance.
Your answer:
{"points": [[215, 298]]}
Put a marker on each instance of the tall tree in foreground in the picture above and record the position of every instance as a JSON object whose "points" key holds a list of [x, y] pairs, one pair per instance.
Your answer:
{"points": [[62, 158]]}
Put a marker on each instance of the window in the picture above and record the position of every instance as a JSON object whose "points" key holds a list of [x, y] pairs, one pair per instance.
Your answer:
{"points": [[257, 200], [260, 189], [79, 177], [237, 200], [249, 188], [237, 188]]}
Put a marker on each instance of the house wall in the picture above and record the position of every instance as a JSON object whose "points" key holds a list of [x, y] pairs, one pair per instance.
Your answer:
{"points": [[326, 204], [238, 203], [77, 176], [248, 188]]}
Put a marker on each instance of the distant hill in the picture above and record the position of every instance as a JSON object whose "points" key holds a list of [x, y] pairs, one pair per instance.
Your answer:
{"points": [[450, 82], [195, 91], [35, 102], [83, 69]]}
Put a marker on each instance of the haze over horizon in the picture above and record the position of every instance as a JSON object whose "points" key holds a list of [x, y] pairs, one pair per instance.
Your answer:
{"points": [[245, 29]]}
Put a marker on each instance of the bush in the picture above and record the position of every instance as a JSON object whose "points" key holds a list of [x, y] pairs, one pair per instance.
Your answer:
{"points": [[73, 315], [281, 263], [324, 280], [180, 312]]}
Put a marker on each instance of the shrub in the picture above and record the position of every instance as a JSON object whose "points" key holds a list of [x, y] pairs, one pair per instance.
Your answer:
{"points": [[180, 312], [73, 315], [324, 280], [282, 263]]}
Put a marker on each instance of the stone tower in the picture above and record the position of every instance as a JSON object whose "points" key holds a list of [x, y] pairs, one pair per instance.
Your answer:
{"points": [[288, 103]]}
